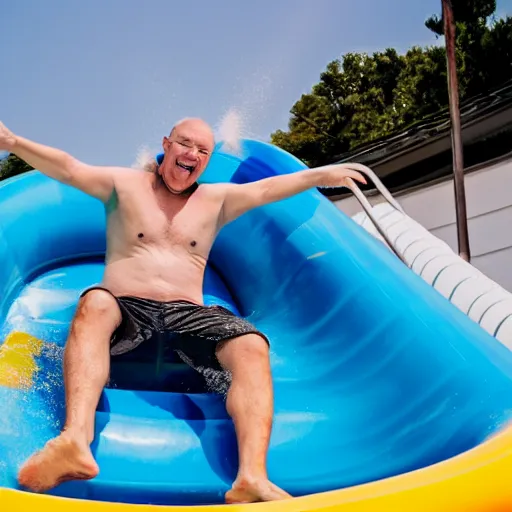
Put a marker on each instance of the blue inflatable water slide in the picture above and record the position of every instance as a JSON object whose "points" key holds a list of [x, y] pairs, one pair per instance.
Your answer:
{"points": [[376, 375]]}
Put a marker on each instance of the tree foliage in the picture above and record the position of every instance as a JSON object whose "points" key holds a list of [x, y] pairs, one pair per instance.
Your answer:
{"points": [[469, 13], [361, 98], [12, 166]]}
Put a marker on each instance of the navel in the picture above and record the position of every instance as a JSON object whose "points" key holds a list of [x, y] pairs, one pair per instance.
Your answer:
{"points": [[193, 243], [140, 235]]}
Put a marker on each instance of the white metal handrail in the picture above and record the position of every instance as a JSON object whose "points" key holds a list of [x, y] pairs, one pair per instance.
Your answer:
{"points": [[367, 207]]}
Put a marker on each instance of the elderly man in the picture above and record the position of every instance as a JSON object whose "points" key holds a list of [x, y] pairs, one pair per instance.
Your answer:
{"points": [[160, 229]]}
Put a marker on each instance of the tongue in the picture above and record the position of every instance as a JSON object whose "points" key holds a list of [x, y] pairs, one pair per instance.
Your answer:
{"points": [[182, 175], [184, 168]]}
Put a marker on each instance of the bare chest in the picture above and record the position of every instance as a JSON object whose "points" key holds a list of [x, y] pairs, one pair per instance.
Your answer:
{"points": [[146, 220]]}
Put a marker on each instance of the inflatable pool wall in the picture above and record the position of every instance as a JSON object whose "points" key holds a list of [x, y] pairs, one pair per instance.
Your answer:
{"points": [[386, 395]]}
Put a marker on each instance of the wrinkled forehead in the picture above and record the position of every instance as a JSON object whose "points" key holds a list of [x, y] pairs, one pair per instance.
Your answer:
{"points": [[198, 134]]}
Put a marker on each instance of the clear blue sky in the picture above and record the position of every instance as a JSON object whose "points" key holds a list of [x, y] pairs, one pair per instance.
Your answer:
{"points": [[100, 78]]}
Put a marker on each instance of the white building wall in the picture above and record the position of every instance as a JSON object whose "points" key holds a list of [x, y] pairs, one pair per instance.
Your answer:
{"points": [[489, 206]]}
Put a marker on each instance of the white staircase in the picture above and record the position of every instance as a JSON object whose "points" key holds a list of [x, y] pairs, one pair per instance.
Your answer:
{"points": [[482, 299]]}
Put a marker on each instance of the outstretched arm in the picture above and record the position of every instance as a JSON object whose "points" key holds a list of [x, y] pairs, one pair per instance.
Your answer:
{"points": [[242, 198], [93, 180]]}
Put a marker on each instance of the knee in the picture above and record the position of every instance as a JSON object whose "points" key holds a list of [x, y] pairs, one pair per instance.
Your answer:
{"points": [[98, 303], [253, 346], [257, 346], [250, 349]]}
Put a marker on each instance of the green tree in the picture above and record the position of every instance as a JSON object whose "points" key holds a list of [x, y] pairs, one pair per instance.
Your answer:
{"points": [[12, 166], [361, 98], [483, 45], [471, 13], [421, 88], [497, 42], [365, 101]]}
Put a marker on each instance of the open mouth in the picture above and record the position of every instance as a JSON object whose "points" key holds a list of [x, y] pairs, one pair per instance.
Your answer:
{"points": [[188, 168]]}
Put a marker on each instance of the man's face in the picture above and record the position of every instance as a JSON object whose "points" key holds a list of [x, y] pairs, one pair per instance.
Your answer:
{"points": [[187, 153]]}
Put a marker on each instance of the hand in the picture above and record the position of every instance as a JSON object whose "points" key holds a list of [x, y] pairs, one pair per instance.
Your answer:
{"points": [[7, 138], [337, 175]]}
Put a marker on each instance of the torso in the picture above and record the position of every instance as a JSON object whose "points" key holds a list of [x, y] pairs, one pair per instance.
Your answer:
{"points": [[158, 243]]}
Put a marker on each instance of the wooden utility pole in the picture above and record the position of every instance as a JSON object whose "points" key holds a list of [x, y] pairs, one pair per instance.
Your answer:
{"points": [[457, 149]]}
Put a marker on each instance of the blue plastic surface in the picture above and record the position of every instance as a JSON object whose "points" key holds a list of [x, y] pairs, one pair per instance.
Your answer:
{"points": [[375, 373]]}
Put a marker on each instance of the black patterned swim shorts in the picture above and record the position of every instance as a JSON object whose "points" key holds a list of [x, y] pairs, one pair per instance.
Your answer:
{"points": [[192, 331]]}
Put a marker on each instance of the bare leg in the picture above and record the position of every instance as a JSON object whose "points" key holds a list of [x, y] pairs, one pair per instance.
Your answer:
{"points": [[86, 370], [250, 404]]}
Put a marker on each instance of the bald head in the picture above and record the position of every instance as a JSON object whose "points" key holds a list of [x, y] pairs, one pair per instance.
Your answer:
{"points": [[194, 125], [187, 151]]}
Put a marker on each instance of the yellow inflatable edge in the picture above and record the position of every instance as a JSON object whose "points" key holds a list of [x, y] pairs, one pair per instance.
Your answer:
{"points": [[479, 480], [17, 360]]}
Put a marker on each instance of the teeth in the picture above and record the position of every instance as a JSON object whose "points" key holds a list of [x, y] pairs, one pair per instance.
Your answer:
{"points": [[188, 168]]}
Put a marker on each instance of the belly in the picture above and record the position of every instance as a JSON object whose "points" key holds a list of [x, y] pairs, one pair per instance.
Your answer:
{"points": [[158, 275]]}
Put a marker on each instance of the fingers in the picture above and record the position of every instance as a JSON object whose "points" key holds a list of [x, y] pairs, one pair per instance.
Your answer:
{"points": [[349, 171], [358, 167], [357, 176]]}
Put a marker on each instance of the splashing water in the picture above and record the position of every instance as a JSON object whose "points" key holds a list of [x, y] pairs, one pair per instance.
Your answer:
{"points": [[144, 160], [230, 130]]}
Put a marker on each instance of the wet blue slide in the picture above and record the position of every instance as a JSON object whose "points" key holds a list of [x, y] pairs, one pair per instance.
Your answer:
{"points": [[375, 373]]}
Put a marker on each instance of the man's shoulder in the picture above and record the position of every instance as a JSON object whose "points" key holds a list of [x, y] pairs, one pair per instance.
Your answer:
{"points": [[214, 190], [122, 174]]}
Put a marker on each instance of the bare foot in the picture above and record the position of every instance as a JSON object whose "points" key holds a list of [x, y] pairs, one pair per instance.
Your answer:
{"points": [[250, 491], [62, 459]]}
